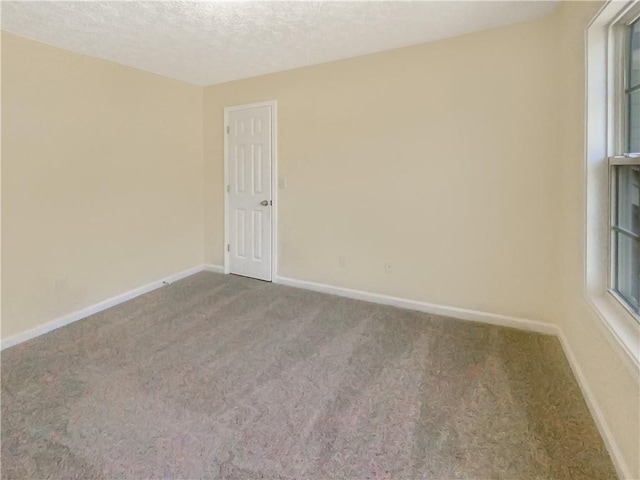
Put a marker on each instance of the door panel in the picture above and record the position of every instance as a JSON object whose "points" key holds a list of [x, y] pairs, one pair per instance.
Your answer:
{"points": [[249, 165]]}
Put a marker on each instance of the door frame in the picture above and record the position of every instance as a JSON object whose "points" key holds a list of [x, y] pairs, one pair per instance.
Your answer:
{"points": [[274, 182]]}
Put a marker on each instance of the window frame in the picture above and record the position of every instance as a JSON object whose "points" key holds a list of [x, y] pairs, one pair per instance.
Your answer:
{"points": [[600, 143], [618, 133]]}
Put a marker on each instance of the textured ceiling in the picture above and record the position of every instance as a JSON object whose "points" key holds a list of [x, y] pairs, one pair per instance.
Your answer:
{"points": [[213, 42]]}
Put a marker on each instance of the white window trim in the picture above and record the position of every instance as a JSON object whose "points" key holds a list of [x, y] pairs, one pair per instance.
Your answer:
{"points": [[601, 142]]}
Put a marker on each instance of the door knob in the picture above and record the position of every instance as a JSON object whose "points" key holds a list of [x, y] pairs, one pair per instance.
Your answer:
{"points": [[264, 203]]}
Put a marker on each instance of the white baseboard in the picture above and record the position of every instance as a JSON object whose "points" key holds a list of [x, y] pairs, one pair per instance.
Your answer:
{"points": [[210, 267], [98, 307], [494, 319], [617, 458], [460, 313]]}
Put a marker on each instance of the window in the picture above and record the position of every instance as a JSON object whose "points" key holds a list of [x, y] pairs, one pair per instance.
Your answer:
{"points": [[611, 174], [625, 168]]}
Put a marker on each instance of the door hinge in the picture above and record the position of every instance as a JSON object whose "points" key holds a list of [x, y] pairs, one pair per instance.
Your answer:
{"points": [[228, 247], [227, 129], [228, 188]]}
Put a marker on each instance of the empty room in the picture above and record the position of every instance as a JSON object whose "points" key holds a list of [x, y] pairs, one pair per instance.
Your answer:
{"points": [[320, 240]]}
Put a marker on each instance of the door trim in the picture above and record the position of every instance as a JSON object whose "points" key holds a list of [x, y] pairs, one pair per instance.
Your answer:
{"points": [[273, 104]]}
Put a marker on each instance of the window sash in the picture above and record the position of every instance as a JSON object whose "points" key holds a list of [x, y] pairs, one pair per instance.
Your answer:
{"points": [[624, 278], [622, 36], [622, 240]]}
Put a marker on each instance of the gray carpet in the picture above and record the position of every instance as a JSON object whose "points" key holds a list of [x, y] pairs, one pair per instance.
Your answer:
{"points": [[226, 377]]}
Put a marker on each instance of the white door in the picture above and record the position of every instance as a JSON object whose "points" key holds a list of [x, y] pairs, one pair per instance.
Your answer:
{"points": [[249, 206]]}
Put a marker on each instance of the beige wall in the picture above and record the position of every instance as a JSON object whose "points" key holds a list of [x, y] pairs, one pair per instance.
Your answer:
{"points": [[102, 181], [437, 159], [459, 162], [615, 387]]}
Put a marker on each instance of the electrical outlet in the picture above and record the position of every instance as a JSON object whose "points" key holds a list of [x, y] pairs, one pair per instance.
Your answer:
{"points": [[342, 261]]}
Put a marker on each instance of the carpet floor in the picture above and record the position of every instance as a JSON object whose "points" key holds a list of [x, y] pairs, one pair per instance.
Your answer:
{"points": [[218, 376]]}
